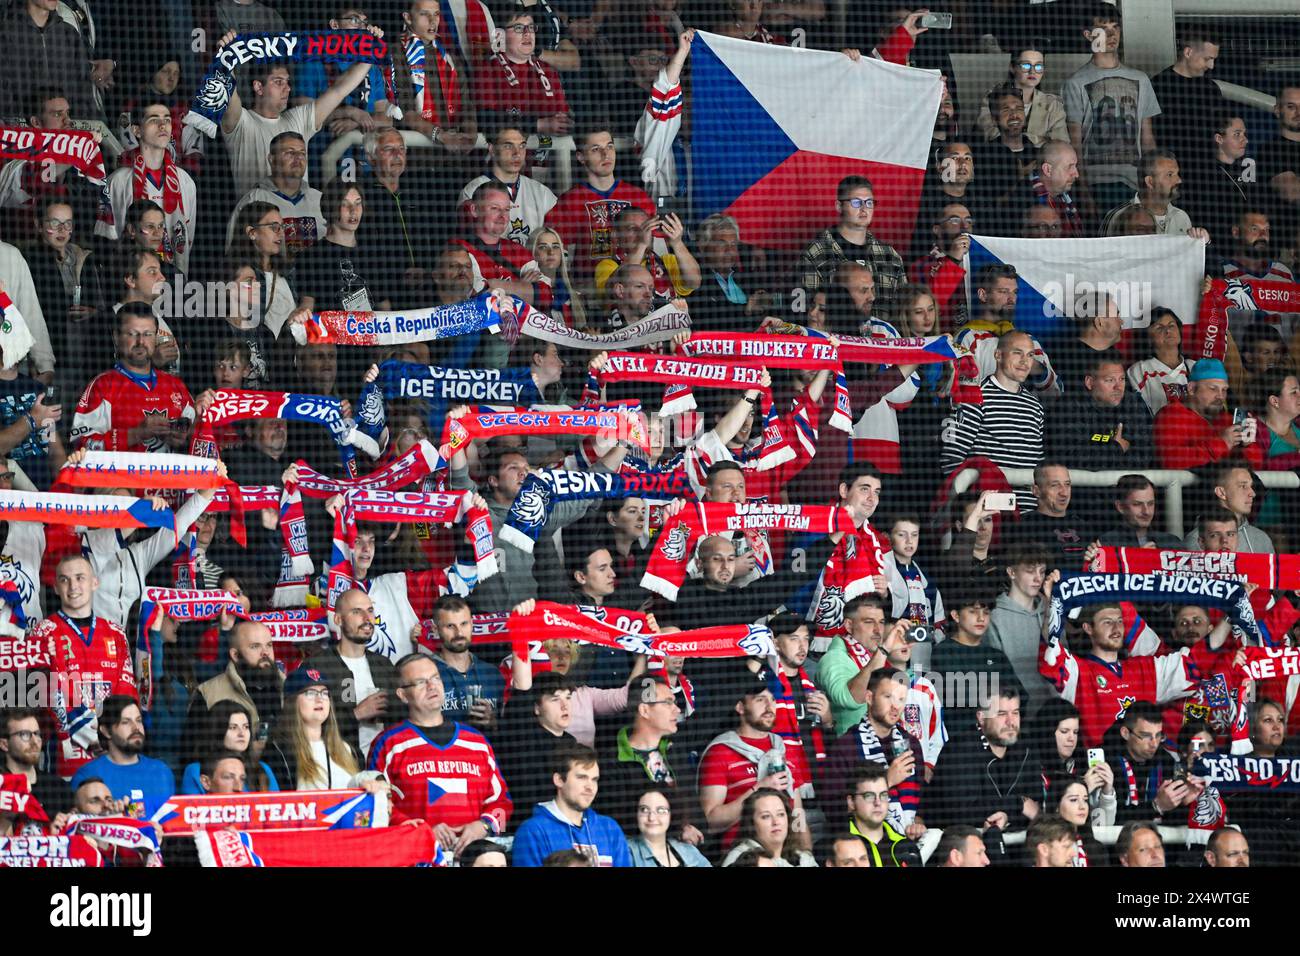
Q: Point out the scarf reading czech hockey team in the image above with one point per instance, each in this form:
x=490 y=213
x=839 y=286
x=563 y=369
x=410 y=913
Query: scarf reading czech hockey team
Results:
x=386 y=329
x=631 y=632
x=64 y=147
x=540 y=491
x=673 y=549
x=179 y=605
x=1271 y=572
x=213 y=96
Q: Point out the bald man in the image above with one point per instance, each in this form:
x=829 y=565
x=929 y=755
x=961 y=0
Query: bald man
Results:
x=1049 y=183
x=250 y=678
x=363 y=683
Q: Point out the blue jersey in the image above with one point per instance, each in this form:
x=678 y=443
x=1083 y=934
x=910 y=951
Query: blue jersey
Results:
x=147 y=783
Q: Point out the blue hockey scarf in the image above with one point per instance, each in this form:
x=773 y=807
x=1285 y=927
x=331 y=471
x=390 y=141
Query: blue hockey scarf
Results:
x=532 y=506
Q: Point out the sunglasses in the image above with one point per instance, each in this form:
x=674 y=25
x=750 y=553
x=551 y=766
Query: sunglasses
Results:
x=1028 y=67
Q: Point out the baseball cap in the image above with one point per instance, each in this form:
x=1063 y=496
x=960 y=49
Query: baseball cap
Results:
x=304 y=677
x=1207 y=368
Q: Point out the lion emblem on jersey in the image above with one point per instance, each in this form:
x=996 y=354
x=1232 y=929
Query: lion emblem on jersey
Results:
x=1239 y=295
x=372 y=407
x=12 y=573
x=634 y=643
x=830 y=608
x=675 y=545
x=530 y=506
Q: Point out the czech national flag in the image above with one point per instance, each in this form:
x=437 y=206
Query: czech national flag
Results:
x=774 y=129
x=1138 y=272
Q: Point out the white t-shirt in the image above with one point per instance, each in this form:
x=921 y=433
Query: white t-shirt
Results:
x=250 y=141
x=363 y=685
x=303 y=222
x=529 y=204
x=335 y=779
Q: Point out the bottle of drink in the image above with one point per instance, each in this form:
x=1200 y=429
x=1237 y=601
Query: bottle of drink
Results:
x=51 y=397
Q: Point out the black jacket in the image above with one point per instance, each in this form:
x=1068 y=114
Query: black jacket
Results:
x=970 y=783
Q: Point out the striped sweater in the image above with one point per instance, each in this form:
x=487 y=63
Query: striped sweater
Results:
x=1007 y=428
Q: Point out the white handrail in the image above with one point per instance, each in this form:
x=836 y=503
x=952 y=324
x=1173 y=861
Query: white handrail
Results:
x=1170 y=482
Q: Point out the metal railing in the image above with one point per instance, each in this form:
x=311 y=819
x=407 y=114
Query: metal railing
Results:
x=1170 y=483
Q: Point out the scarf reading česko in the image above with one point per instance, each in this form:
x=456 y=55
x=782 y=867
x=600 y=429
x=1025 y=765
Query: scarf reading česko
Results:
x=675 y=546
x=384 y=329
x=631 y=632
x=615 y=424
x=65 y=147
x=235 y=405
x=1270 y=571
x=540 y=491
x=413 y=845
x=213 y=96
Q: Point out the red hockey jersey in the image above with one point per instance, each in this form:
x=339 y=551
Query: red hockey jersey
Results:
x=506 y=260
x=518 y=92
x=455 y=784
x=90 y=665
x=117 y=401
x=584 y=218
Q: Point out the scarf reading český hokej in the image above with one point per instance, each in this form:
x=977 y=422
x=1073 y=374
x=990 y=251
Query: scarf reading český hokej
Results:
x=630 y=631
x=540 y=491
x=213 y=96
x=385 y=329
x=63 y=147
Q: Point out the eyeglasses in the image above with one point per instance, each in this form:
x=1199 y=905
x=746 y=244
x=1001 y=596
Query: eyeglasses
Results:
x=523 y=29
x=318 y=693
x=958 y=221
x=1028 y=67
x=58 y=225
x=859 y=203
x=356 y=21
x=872 y=797
x=421 y=683
x=276 y=227
x=653 y=811
x=27 y=734
x=1043 y=227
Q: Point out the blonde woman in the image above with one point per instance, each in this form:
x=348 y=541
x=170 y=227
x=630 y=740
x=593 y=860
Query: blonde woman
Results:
x=306 y=751
x=566 y=301
x=1044 y=112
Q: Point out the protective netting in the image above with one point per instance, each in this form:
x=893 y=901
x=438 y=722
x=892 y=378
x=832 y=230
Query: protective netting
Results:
x=440 y=406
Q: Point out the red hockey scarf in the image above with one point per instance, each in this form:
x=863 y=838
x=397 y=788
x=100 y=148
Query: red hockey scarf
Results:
x=615 y=424
x=66 y=147
x=293 y=532
x=408 y=507
x=297 y=625
x=126 y=832
x=677 y=541
x=1247 y=292
x=644 y=367
x=630 y=632
x=778 y=351
x=508 y=69
x=420 y=461
x=129 y=469
x=1265 y=663
x=446 y=99
x=787 y=719
x=856 y=560
x=317 y=810
x=49 y=851
x=254 y=498
x=1209 y=337
x=171 y=183
x=1270 y=571
x=411 y=844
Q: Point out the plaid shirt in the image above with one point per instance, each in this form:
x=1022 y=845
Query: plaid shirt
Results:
x=824 y=255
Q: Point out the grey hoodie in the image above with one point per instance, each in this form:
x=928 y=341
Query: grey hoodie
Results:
x=1017 y=633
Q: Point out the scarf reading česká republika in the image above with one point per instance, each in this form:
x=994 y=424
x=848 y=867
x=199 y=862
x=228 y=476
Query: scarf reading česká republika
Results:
x=385 y=329
x=213 y=95
x=540 y=491
x=630 y=631
x=673 y=549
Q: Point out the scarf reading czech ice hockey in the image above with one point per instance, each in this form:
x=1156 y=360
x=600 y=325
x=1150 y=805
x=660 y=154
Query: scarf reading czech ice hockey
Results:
x=675 y=546
x=630 y=632
x=385 y=329
x=65 y=147
x=213 y=96
x=1077 y=589
x=540 y=491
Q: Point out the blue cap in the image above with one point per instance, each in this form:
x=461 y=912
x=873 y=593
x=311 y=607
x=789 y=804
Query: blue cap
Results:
x=1207 y=368
x=304 y=677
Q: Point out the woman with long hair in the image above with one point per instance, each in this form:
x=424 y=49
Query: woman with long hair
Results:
x=766 y=822
x=306 y=750
x=226 y=727
x=1044 y=112
x=654 y=817
x=258 y=237
x=1276 y=406
x=1068 y=797
x=566 y=298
